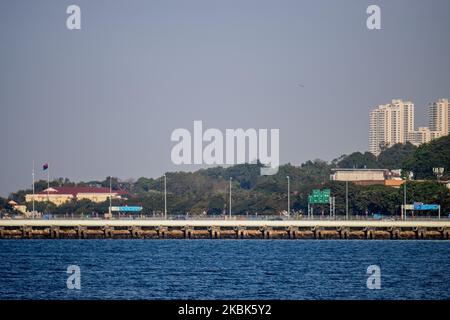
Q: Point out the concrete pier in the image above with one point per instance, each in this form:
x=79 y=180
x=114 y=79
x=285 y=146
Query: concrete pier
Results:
x=225 y=229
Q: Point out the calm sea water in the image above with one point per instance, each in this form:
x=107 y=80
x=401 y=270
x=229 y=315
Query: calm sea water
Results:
x=224 y=269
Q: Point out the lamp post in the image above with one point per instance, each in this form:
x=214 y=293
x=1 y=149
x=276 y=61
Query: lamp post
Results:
x=288 y=196
x=230 y=198
x=33 y=188
x=404 y=199
x=110 y=196
x=408 y=176
x=165 y=196
x=439 y=172
x=346 y=200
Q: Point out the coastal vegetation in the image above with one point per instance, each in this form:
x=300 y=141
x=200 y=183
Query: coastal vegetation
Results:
x=206 y=191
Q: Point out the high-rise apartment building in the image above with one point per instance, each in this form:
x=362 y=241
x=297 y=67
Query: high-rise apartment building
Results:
x=390 y=124
x=439 y=116
x=394 y=123
x=423 y=135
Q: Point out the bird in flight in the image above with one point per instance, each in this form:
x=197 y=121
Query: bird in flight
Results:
x=301 y=85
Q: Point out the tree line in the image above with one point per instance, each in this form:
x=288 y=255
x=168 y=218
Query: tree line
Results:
x=206 y=191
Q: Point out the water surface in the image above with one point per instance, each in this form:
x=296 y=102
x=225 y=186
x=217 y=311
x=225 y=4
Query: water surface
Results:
x=224 y=269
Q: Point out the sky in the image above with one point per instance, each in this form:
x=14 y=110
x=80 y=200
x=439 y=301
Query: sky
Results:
x=105 y=99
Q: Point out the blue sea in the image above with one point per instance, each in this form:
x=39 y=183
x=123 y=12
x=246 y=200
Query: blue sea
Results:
x=224 y=269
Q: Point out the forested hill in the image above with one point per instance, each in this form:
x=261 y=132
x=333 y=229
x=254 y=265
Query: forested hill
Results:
x=207 y=190
x=428 y=156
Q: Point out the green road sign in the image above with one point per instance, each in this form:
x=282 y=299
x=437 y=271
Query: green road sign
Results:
x=319 y=196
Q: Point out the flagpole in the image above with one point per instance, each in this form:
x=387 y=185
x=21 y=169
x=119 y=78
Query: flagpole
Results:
x=48 y=180
x=33 y=187
x=110 y=196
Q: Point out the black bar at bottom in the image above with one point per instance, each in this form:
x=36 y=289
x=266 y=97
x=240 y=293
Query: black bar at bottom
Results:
x=224 y=309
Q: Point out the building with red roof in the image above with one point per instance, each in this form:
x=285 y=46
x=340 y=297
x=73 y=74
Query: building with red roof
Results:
x=61 y=195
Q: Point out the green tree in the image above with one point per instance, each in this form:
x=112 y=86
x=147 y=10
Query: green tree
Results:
x=429 y=155
x=395 y=156
x=358 y=160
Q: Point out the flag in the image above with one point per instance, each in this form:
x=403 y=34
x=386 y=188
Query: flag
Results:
x=45 y=166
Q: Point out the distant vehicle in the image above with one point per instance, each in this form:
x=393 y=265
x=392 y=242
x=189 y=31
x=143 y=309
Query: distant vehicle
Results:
x=377 y=216
x=276 y=218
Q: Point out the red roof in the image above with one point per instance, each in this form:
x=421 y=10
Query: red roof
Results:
x=76 y=190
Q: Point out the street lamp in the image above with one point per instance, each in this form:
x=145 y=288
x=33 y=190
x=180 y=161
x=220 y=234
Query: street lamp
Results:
x=346 y=200
x=165 y=196
x=33 y=187
x=288 y=196
x=404 y=198
x=409 y=175
x=110 y=196
x=230 y=198
x=439 y=172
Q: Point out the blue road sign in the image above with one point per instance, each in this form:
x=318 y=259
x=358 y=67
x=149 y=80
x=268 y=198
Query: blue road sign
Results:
x=127 y=209
x=421 y=206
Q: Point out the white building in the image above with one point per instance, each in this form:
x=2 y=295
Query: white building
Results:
x=439 y=116
x=390 y=124
x=394 y=123
x=423 y=135
x=354 y=175
x=61 y=195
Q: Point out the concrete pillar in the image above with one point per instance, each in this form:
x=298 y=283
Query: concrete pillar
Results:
x=188 y=232
x=162 y=232
x=441 y=231
x=27 y=232
x=420 y=232
x=215 y=232
x=54 y=232
x=136 y=232
x=316 y=230
x=108 y=232
x=266 y=232
x=81 y=232
x=344 y=233
x=395 y=233
x=292 y=232
x=241 y=233
x=446 y=234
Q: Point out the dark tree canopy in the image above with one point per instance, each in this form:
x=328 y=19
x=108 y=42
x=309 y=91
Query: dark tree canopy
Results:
x=395 y=156
x=429 y=155
x=358 y=160
x=207 y=190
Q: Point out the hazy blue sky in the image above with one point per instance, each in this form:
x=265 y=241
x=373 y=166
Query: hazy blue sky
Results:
x=104 y=100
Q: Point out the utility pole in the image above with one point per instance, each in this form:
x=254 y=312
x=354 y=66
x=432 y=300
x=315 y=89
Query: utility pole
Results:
x=330 y=202
x=230 y=198
x=346 y=200
x=110 y=196
x=165 y=196
x=404 y=199
x=289 y=197
x=334 y=207
x=48 y=181
x=33 y=187
x=408 y=176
